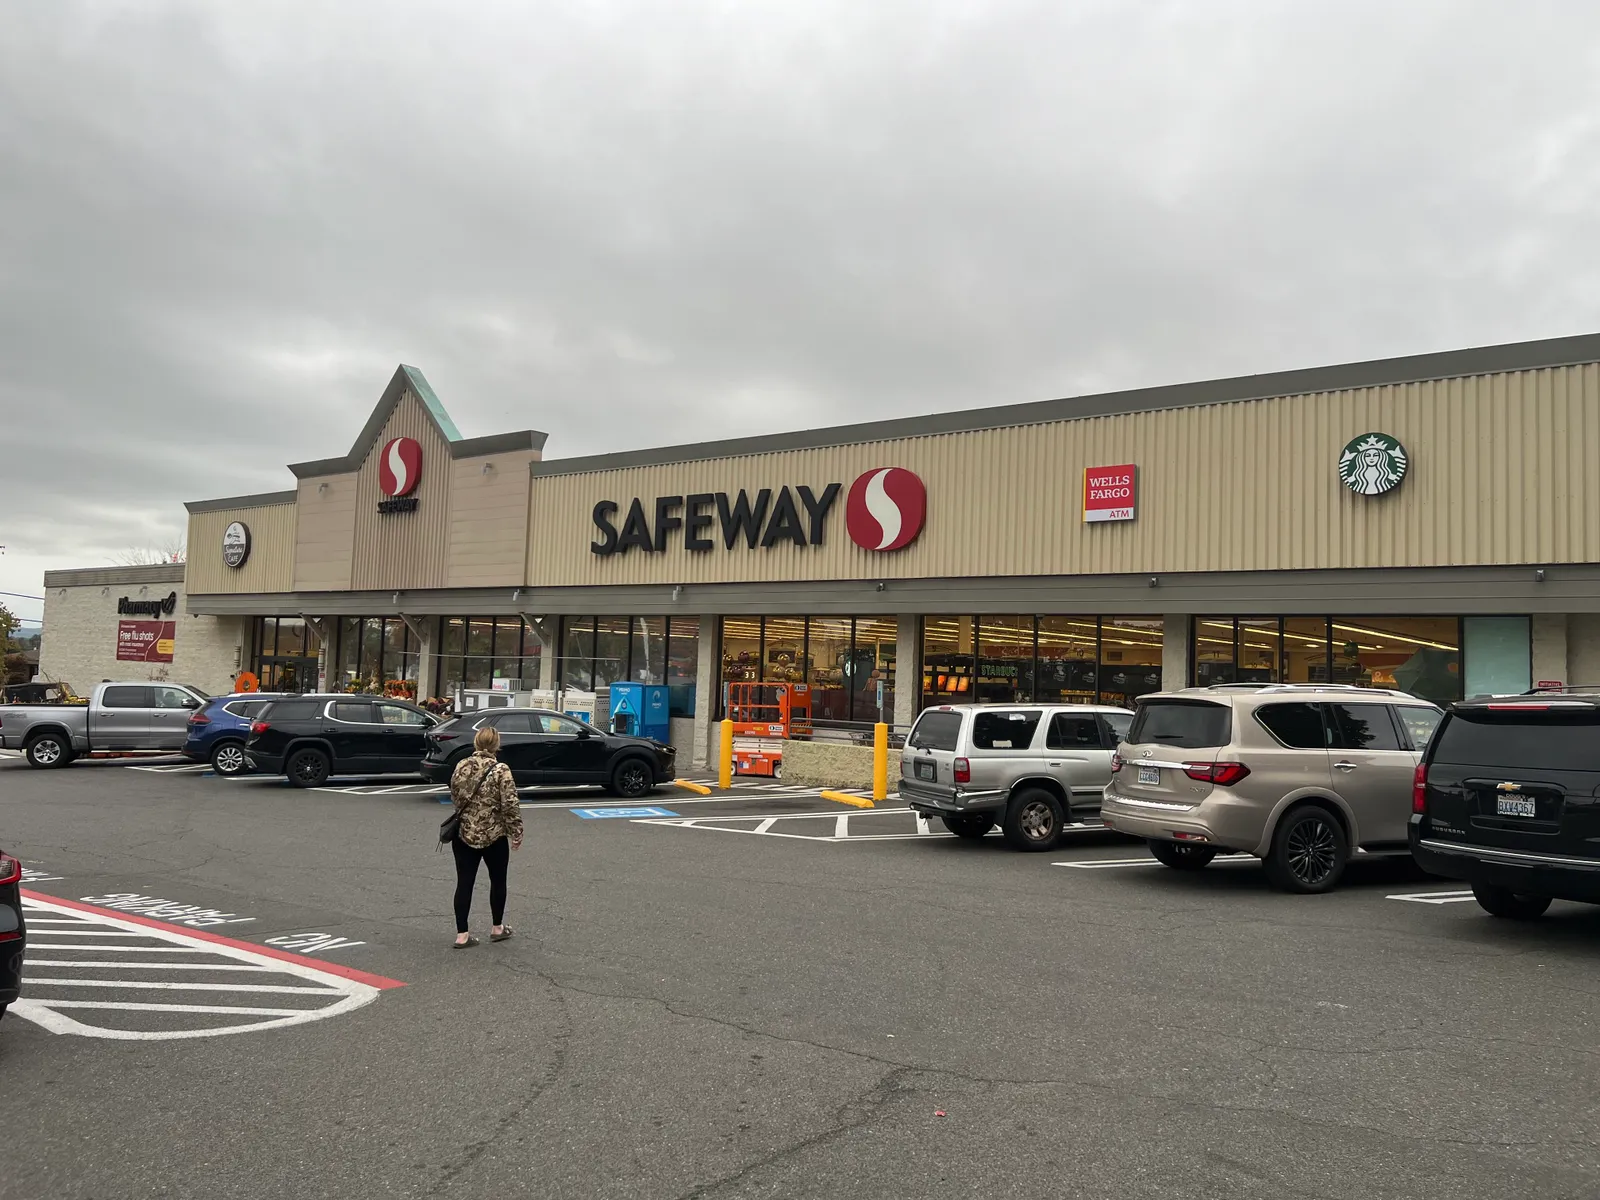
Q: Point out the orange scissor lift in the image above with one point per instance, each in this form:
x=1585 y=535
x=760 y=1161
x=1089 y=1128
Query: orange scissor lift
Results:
x=764 y=715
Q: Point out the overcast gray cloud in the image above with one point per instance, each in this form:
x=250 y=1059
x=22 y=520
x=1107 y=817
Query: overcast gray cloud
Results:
x=221 y=226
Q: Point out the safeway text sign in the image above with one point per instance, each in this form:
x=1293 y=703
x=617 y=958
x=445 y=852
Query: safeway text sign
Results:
x=1110 y=493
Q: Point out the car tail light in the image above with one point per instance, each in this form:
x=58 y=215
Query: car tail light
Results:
x=1419 y=789
x=1117 y=763
x=1223 y=774
x=443 y=737
x=259 y=727
x=10 y=870
x=199 y=719
x=963 y=771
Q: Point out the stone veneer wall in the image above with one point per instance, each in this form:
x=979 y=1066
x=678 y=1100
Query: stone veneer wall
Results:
x=832 y=764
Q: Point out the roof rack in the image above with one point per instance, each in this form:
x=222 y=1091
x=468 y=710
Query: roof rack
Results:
x=1260 y=688
x=1566 y=687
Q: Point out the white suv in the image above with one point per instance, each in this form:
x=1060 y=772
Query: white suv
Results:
x=1033 y=768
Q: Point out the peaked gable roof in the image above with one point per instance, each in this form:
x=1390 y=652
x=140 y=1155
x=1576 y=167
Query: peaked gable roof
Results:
x=406 y=379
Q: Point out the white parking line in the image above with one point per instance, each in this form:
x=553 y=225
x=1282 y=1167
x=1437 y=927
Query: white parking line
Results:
x=1107 y=864
x=1452 y=897
x=119 y=967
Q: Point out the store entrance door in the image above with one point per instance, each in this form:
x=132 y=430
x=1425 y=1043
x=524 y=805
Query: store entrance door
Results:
x=282 y=673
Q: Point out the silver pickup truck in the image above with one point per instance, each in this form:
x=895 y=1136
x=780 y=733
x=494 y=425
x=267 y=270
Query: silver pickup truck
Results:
x=118 y=717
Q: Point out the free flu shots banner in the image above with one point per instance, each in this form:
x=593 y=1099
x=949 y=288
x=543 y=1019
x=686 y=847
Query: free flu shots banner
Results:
x=145 y=641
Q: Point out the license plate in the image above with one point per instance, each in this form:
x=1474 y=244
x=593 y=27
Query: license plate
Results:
x=1150 y=775
x=1515 y=806
x=925 y=770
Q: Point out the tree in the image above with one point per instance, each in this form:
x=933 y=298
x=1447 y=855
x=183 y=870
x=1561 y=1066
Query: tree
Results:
x=171 y=551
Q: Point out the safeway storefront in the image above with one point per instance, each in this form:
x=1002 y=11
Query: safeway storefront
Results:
x=1431 y=523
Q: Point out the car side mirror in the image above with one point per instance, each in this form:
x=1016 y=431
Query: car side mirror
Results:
x=584 y=734
x=191 y=703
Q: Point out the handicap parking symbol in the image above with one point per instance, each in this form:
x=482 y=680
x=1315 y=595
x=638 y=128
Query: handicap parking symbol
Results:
x=604 y=814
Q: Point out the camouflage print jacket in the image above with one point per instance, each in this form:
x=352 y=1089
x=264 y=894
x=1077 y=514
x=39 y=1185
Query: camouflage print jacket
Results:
x=494 y=812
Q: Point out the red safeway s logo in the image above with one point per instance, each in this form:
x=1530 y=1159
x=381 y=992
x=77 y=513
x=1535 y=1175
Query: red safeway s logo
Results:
x=885 y=509
x=400 y=467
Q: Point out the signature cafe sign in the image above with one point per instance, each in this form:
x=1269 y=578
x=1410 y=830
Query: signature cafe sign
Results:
x=884 y=511
x=236 y=544
x=165 y=607
x=1373 y=464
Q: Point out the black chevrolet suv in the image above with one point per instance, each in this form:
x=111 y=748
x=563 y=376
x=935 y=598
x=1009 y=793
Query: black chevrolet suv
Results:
x=541 y=746
x=1507 y=797
x=309 y=738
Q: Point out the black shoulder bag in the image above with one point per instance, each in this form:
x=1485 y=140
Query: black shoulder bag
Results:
x=450 y=827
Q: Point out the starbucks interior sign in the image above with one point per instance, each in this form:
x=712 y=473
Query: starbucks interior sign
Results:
x=236 y=544
x=1373 y=464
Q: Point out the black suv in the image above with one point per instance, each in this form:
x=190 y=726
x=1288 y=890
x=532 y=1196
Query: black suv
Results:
x=309 y=738
x=541 y=746
x=1507 y=797
x=13 y=930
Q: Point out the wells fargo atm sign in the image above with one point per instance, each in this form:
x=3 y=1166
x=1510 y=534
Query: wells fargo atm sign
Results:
x=1110 y=493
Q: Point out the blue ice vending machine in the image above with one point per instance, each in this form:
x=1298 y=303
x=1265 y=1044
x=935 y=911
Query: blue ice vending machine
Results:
x=640 y=709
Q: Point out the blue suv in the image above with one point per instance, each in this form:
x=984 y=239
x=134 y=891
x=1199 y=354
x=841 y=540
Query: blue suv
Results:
x=218 y=731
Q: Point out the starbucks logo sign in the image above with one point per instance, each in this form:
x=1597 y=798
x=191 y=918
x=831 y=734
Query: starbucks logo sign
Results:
x=1373 y=464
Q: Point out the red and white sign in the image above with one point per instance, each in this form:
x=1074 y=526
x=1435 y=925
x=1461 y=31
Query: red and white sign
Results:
x=1110 y=493
x=400 y=467
x=885 y=509
x=146 y=641
x=1549 y=685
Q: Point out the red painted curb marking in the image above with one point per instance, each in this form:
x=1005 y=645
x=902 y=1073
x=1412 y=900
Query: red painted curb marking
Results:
x=333 y=968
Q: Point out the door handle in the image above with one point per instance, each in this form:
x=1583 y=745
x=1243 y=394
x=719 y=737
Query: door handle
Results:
x=1346 y=766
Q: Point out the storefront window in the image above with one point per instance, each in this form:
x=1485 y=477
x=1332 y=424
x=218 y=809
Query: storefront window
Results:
x=1213 y=652
x=783 y=650
x=647 y=652
x=1068 y=654
x=831 y=668
x=286 y=654
x=1005 y=660
x=1498 y=655
x=947 y=660
x=741 y=649
x=872 y=675
x=611 y=651
x=1130 y=658
x=1420 y=655
x=577 y=653
x=683 y=664
x=1305 y=650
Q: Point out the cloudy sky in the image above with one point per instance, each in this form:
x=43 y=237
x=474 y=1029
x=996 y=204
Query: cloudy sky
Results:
x=221 y=226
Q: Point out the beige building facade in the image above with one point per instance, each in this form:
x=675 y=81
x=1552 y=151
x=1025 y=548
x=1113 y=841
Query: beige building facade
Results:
x=1430 y=522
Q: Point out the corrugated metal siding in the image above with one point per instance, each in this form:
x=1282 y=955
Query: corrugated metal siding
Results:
x=489 y=520
x=404 y=550
x=270 y=567
x=324 y=533
x=1501 y=471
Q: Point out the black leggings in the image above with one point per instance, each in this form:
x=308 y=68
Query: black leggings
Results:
x=498 y=856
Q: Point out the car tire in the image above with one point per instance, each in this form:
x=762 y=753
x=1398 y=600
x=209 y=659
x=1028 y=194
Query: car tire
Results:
x=971 y=828
x=227 y=758
x=48 y=751
x=1181 y=856
x=1033 y=820
x=308 y=768
x=631 y=778
x=1511 y=906
x=1309 y=851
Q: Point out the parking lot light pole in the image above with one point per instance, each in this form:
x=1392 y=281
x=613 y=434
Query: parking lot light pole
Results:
x=725 y=757
x=880 y=761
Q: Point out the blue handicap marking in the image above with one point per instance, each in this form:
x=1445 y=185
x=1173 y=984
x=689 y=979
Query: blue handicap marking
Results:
x=605 y=814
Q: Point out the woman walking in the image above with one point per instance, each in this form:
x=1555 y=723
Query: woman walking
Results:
x=485 y=797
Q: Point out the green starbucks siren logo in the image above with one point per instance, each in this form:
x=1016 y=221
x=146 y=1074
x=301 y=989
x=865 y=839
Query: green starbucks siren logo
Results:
x=1373 y=464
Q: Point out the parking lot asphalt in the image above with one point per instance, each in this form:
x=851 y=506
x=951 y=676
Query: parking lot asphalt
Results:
x=760 y=995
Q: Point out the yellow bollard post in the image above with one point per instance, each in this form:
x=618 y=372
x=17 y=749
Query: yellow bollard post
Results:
x=725 y=757
x=880 y=761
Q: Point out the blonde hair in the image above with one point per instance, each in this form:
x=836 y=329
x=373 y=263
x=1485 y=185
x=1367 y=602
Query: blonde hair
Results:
x=488 y=738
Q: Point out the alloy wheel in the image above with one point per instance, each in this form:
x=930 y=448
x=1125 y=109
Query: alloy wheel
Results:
x=229 y=760
x=631 y=780
x=1037 y=821
x=1312 y=850
x=46 y=752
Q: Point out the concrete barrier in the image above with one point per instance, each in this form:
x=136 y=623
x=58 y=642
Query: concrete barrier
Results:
x=828 y=764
